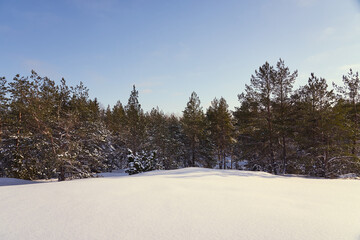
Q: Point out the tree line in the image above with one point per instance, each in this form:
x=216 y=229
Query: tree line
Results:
x=54 y=130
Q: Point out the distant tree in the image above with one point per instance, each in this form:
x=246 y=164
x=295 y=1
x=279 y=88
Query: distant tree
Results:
x=157 y=134
x=3 y=116
x=3 y=103
x=193 y=122
x=283 y=83
x=221 y=129
x=351 y=93
x=259 y=95
x=321 y=129
x=249 y=143
x=118 y=121
x=115 y=121
x=135 y=124
x=176 y=144
x=85 y=143
x=31 y=151
x=108 y=117
x=19 y=134
x=55 y=130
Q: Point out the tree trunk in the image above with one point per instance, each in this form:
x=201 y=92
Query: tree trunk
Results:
x=272 y=157
x=353 y=151
x=224 y=156
x=62 y=173
x=193 y=152
x=284 y=155
x=193 y=157
x=18 y=133
x=0 y=130
x=219 y=159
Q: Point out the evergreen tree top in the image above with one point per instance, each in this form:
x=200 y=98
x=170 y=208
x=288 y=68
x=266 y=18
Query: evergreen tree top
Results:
x=133 y=102
x=193 y=107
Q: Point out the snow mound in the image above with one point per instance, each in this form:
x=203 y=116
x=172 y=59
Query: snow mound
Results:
x=190 y=203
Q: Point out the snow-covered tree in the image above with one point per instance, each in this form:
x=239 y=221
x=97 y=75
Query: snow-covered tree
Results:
x=143 y=162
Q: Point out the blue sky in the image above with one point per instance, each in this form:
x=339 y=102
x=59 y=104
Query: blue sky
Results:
x=170 y=48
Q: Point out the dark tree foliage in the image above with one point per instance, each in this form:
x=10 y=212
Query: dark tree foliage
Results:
x=134 y=122
x=221 y=130
x=193 y=122
x=283 y=84
x=259 y=95
x=52 y=130
x=310 y=131
x=322 y=131
x=350 y=92
x=3 y=114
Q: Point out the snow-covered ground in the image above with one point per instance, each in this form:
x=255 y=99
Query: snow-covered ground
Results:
x=14 y=181
x=185 y=204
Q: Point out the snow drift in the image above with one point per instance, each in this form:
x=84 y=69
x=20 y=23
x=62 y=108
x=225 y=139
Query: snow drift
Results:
x=184 y=204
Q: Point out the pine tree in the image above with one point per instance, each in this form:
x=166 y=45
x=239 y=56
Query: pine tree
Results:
x=157 y=133
x=176 y=144
x=351 y=93
x=3 y=103
x=259 y=95
x=142 y=162
x=118 y=119
x=117 y=125
x=20 y=133
x=249 y=142
x=3 y=115
x=320 y=129
x=283 y=83
x=31 y=151
x=49 y=130
x=64 y=131
x=193 y=122
x=221 y=129
x=135 y=124
x=108 y=118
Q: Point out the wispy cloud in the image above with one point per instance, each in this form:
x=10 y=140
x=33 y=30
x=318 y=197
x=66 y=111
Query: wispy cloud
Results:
x=178 y=51
x=96 y=7
x=336 y=55
x=356 y=20
x=96 y=77
x=42 y=68
x=332 y=64
x=148 y=83
x=354 y=67
x=328 y=31
x=178 y=94
x=305 y=3
x=146 y=91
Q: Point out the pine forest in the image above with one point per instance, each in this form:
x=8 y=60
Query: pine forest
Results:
x=53 y=130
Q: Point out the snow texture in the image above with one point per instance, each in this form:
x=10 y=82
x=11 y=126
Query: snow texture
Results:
x=13 y=181
x=190 y=203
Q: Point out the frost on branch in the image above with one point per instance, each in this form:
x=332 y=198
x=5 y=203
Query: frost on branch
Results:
x=142 y=162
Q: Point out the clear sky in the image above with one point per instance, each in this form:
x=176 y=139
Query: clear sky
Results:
x=170 y=48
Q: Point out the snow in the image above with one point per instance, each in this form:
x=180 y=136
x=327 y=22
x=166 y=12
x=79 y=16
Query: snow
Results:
x=190 y=203
x=14 y=181
x=350 y=175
